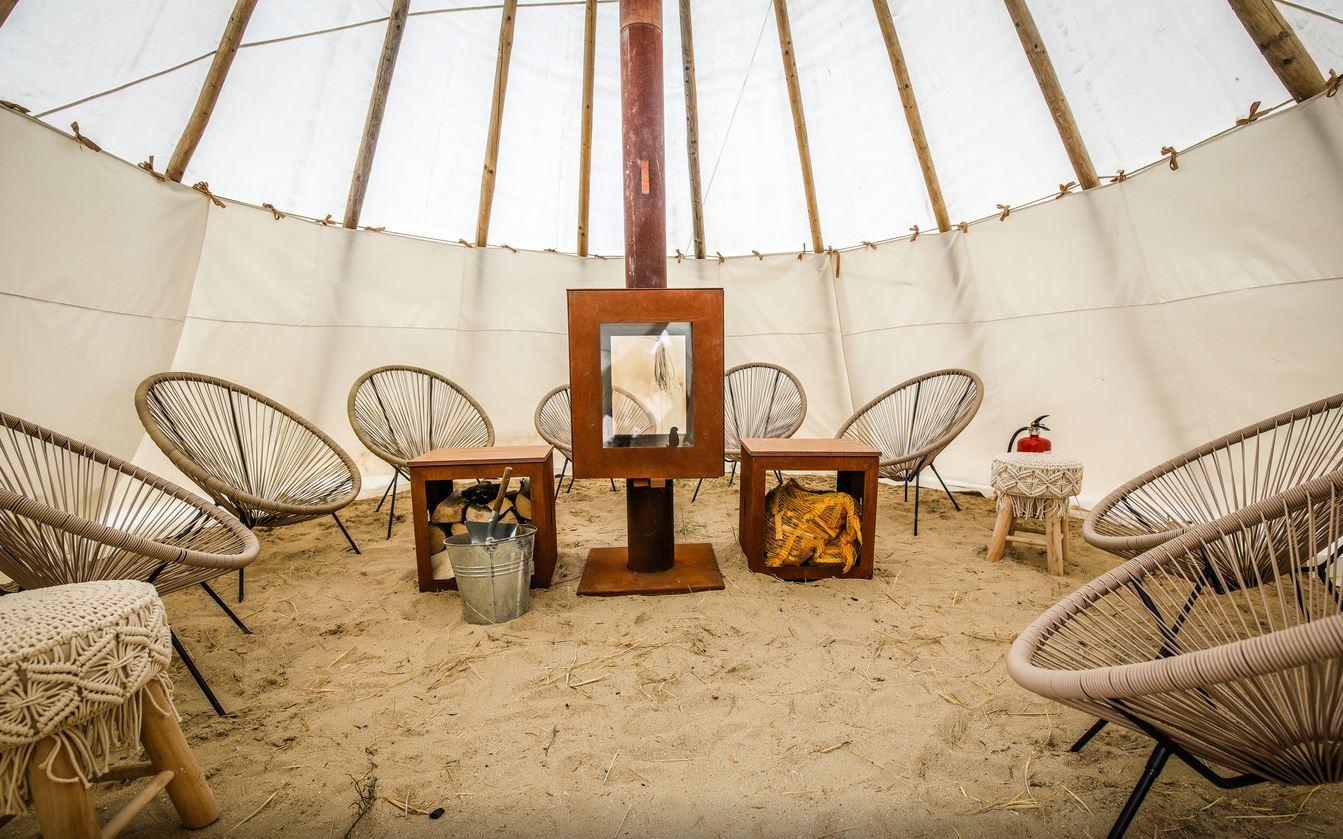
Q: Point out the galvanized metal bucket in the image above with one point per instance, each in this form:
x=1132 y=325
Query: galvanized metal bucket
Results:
x=493 y=578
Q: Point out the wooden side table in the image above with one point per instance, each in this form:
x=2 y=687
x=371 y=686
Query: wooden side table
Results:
x=431 y=477
x=855 y=465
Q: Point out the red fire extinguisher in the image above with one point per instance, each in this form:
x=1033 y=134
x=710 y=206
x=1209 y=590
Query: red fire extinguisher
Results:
x=1032 y=442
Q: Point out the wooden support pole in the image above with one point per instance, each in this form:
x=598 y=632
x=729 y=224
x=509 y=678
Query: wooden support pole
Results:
x=214 y=83
x=62 y=807
x=799 y=121
x=496 y=121
x=585 y=145
x=377 y=104
x=167 y=749
x=1053 y=92
x=6 y=6
x=692 y=127
x=915 y=121
x=1280 y=45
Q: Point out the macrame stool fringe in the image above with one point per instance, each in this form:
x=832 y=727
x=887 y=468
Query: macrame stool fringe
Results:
x=1034 y=508
x=89 y=744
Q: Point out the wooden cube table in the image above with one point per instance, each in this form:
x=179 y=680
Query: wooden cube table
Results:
x=855 y=465
x=431 y=477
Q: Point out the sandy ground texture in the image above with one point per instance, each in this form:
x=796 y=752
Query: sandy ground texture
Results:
x=840 y=708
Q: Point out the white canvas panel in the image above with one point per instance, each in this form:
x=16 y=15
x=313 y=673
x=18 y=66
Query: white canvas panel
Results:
x=1253 y=207
x=254 y=267
x=991 y=134
x=53 y=53
x=105 y=236
x=1133 y=95
x=1077 y=252
x=926 y=281
x=75 y=370
x=426 y=175
x=287 y=124
x=376 y=279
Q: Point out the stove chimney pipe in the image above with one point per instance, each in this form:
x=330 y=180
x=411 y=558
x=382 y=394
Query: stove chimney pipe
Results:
x=642 y=138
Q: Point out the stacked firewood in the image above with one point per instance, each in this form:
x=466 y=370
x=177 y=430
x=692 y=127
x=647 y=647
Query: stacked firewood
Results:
x=472 y=503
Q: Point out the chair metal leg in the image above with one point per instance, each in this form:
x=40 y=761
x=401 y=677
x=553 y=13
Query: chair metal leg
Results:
x=196 y=674
x=944 y=487
x=1086 y=737
x=1155 y=763
x=778 y=476
x=347 y=533
x=385 y=492
x=391 y=515
x=698 y=483
x=916 y=501
x=732 y=474
x=613 y=484
x=219 y=601
x=559 y=487
x=242 y=584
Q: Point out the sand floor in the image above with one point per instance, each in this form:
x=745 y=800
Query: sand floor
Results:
x=841 y=708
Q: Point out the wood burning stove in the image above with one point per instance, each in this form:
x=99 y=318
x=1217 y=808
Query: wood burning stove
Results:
x=662 y=348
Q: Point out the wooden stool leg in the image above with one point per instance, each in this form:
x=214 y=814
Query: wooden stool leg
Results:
x=1000 y=530
x=63 y=809
x=1067 y=542
x=168 y=749
x=1054 y=544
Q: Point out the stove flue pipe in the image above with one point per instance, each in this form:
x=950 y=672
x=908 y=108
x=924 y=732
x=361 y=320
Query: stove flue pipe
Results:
x=643 y=142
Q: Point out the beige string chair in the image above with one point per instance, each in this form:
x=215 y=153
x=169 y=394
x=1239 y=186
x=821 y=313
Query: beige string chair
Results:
x=759 y=400
x=1219 y=477
x=256 y=458
x=400 y=412
x=554 y=422
x=1214 y=480
x=1224 y=644
x=71 y=513
x=913 y=422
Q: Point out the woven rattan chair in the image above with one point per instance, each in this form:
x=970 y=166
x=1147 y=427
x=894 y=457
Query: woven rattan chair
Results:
x=1223 y=644
x=70 y=513
x=759 y=400
x=1219 y=477
x=256 y=458
x=1214 y=480
x=554 y=422
x=913 y=422
x=400 y=412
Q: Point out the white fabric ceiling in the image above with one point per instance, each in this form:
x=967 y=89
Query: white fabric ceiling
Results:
x=1140 y=74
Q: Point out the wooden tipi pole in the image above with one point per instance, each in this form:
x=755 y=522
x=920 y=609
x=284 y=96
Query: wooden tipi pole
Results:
x=692 y=127
x=214 y=83
x=377 y=104
x=496 y=121
x=911 y=106
x=6 y=6
x=585 y=144
x=1053 y=92
x=1280 y=45
x=799 y=121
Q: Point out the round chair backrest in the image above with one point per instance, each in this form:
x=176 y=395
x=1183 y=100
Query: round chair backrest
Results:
x=401 y=412
x=760 y=400
x=914 y=421
x=72 y=513
x=249 y=452
x=554 y=418
x=1220 y=477
x=1236 y=661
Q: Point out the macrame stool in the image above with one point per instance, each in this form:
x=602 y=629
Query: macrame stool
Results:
x=83 y=671
x=1036 y=486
